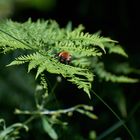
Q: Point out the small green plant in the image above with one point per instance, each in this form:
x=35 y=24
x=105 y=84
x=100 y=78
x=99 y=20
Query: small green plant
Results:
x=38 y=44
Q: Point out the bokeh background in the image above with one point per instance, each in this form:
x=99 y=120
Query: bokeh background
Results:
x=117 y=19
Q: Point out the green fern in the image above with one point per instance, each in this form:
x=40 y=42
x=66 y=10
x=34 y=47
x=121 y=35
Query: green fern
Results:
x=107 y=76
x=42 y=40
x=113 y=48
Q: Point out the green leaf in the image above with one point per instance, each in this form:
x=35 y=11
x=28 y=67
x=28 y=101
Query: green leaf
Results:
x=43 y=40
x=48 y=128
x=117 y=49
x=87 y=113
x=6 y=134
x=107 y=76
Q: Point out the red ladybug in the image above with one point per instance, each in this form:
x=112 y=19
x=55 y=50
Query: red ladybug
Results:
x=64 y=57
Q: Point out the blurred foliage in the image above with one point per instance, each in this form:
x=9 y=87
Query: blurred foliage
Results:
x=9 y=7
x=6 y=8
x=117 y=19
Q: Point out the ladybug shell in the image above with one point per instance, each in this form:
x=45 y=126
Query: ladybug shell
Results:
x=64 y=57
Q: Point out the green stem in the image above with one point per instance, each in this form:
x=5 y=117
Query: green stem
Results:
x=52 y=94
x=115 y=114
x=53 y=112
x=29 y=120
x=25 y=123
x=16 y=38
x=110 y=130
x=133 y=110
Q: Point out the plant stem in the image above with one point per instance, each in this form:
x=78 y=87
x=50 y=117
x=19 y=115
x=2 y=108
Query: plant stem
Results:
x=115 y=114
x=25 y=123
x=54 y=112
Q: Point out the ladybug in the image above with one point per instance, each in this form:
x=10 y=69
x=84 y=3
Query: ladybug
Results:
x=64 y=57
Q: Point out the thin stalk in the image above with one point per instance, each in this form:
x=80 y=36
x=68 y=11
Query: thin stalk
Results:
x=52 y=94
x=115 y=114
x=110 y=130
x=133 y=110
x=15 y=38
x=25 y=123
x=54 y=112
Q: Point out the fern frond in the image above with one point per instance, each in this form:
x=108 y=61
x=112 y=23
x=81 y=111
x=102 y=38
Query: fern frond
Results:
x=81 y=77
x=82 y=62
x=23 y=59
x=107 y=76
x=43 y=40
x=44 y=82
x=125 y=68
x=82 y=84
x=8 y=43
x=36 y=60
x=79 y=50
x=113 y=48
x=86 y=39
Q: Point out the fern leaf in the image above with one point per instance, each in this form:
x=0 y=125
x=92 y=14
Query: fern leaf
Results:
x=42 y=40
x=18 y=61
x=78 y=51
x=125 y=68
x=82 y=84
x=82 y=62
x=35 y=60
x=113 y=48
x=107 y=76
x=22 y=59
x=88 y=39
